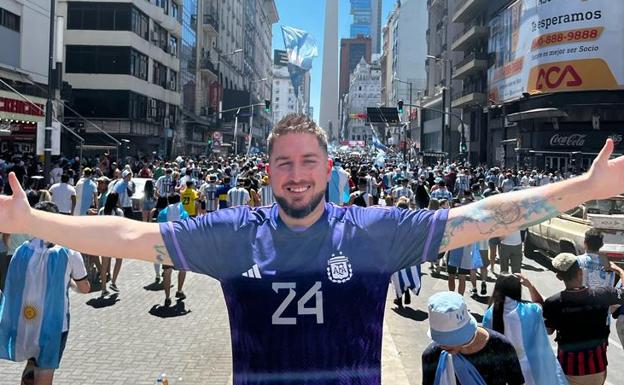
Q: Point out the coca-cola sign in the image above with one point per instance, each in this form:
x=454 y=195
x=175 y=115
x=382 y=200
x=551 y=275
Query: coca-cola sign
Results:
x=571 y=140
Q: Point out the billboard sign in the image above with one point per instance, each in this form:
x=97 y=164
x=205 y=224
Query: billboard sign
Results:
x=544 y=46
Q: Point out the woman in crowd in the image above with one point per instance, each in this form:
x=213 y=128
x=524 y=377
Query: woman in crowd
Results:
x=110 y=208
x=523 y=324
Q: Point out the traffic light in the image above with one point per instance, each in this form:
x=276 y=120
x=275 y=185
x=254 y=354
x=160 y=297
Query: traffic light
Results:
x=400 y=106
x=267 y=106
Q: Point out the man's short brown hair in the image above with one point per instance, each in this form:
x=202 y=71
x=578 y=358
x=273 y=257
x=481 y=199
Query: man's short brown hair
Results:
x=297 y=123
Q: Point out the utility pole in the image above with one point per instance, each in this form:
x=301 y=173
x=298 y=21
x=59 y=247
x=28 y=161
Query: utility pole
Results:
x=47 y=144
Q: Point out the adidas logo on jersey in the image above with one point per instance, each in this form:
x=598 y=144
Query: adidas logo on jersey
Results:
x=254 y=272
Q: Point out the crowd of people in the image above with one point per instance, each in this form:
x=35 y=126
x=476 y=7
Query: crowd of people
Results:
x=510 y=347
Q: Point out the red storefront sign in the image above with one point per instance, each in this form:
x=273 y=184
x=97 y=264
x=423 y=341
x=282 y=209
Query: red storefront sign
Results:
x=13 y=106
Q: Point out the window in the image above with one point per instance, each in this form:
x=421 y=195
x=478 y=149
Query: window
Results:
x=138 y=65
x=173 y=45
x=159 y=74
x=175 y=10
x=98 y=59
x=173 y=80
x=137 y=106
x=140 y=23
x=99 y=16
x=9 y=20
x=160 y=37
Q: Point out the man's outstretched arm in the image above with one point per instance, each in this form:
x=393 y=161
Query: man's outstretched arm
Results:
x=109 y=236
x=501 y=214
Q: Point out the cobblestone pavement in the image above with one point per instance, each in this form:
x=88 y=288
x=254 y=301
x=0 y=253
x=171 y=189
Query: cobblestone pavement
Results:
x=125 y=344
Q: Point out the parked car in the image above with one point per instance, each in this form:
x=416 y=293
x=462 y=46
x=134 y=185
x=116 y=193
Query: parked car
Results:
x=566 y=232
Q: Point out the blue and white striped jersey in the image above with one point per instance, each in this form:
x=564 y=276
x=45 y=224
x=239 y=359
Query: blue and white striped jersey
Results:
x=238 y=196
x=85 y=195
x=164 y=186
x=209 y=192
x=266 y=195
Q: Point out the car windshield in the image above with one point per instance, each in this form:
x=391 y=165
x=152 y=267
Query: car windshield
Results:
x=605 y=206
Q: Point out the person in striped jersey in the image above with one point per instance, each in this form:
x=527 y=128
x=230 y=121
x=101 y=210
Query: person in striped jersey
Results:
x=86 y=194
x=34 y=308
x=164 y=189
x=208 y=195
x=238 y=196
x=266 y=192
x=406 y=279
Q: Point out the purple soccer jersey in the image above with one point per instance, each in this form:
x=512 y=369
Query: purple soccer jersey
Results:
x=305 y=307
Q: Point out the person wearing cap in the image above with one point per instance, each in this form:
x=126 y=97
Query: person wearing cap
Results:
x=578 y=316
x=463 y=352
x=295 y=271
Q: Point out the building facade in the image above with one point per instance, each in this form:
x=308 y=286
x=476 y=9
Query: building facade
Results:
x=125 y=71
x=24 y=32
x=364 y=92
x=351 y=52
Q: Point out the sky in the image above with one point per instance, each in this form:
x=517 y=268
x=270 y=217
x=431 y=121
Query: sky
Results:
x=309 y=16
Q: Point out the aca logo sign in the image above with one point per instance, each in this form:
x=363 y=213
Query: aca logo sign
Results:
x=576 y=75
x=551 y=78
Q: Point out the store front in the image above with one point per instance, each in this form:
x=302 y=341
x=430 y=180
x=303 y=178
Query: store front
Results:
x=18 y=122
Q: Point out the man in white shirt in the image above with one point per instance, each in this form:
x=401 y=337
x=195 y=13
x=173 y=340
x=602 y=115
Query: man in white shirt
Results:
x=64 y=195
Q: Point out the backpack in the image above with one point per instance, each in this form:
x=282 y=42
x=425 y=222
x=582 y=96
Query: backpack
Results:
x=360 y=201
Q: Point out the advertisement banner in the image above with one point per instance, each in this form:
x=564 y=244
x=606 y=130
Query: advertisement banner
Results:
x=544 y=46
x=578 y=141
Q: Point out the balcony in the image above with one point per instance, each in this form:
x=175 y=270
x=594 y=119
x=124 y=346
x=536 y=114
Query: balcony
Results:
x=469 y=98
x=208 y=67
x=470 y=65
x=471 y=35
x=467 y=9
x=211 y=23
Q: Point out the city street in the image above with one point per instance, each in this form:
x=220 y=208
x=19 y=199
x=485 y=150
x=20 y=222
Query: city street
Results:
x=125 y=344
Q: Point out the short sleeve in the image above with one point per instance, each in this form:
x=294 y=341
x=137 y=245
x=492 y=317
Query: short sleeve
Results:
x=416 y=236
x=77 y=266
x=210 y=244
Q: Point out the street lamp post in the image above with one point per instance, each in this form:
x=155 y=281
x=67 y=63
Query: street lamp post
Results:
x=47 y=144
x=409 y=120
x=448 y=108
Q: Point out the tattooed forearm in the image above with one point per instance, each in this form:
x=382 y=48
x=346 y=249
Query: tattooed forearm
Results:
x=489 y=217
x=161 y=254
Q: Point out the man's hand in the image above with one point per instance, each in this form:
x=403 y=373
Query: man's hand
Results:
x=14 y=209
x=607 y=176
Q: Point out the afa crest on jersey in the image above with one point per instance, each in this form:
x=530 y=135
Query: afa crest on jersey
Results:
x=339 y=268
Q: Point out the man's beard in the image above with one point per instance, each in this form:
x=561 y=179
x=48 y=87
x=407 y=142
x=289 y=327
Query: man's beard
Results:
x=299 y=213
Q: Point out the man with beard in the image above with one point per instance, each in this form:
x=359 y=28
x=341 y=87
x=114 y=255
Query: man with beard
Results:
x=306 y=281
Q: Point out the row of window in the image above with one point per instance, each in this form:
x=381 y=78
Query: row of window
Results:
x=9 y=20
x=120 y=61
x=121 y=105
x=118 y=17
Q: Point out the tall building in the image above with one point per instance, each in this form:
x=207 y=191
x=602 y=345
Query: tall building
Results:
x=367 y=21
x=329 y=119
x=125 y=70
x=351 y=52
x=24 y=31
x=364 y=92
x=438 y=140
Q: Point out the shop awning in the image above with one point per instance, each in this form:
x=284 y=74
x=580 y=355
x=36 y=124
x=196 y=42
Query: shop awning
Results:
x=538 y=113
x=14 y=75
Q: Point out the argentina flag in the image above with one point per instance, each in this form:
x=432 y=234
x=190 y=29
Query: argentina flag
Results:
x=406 y=279
x=32 y=307
x=301 y=49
